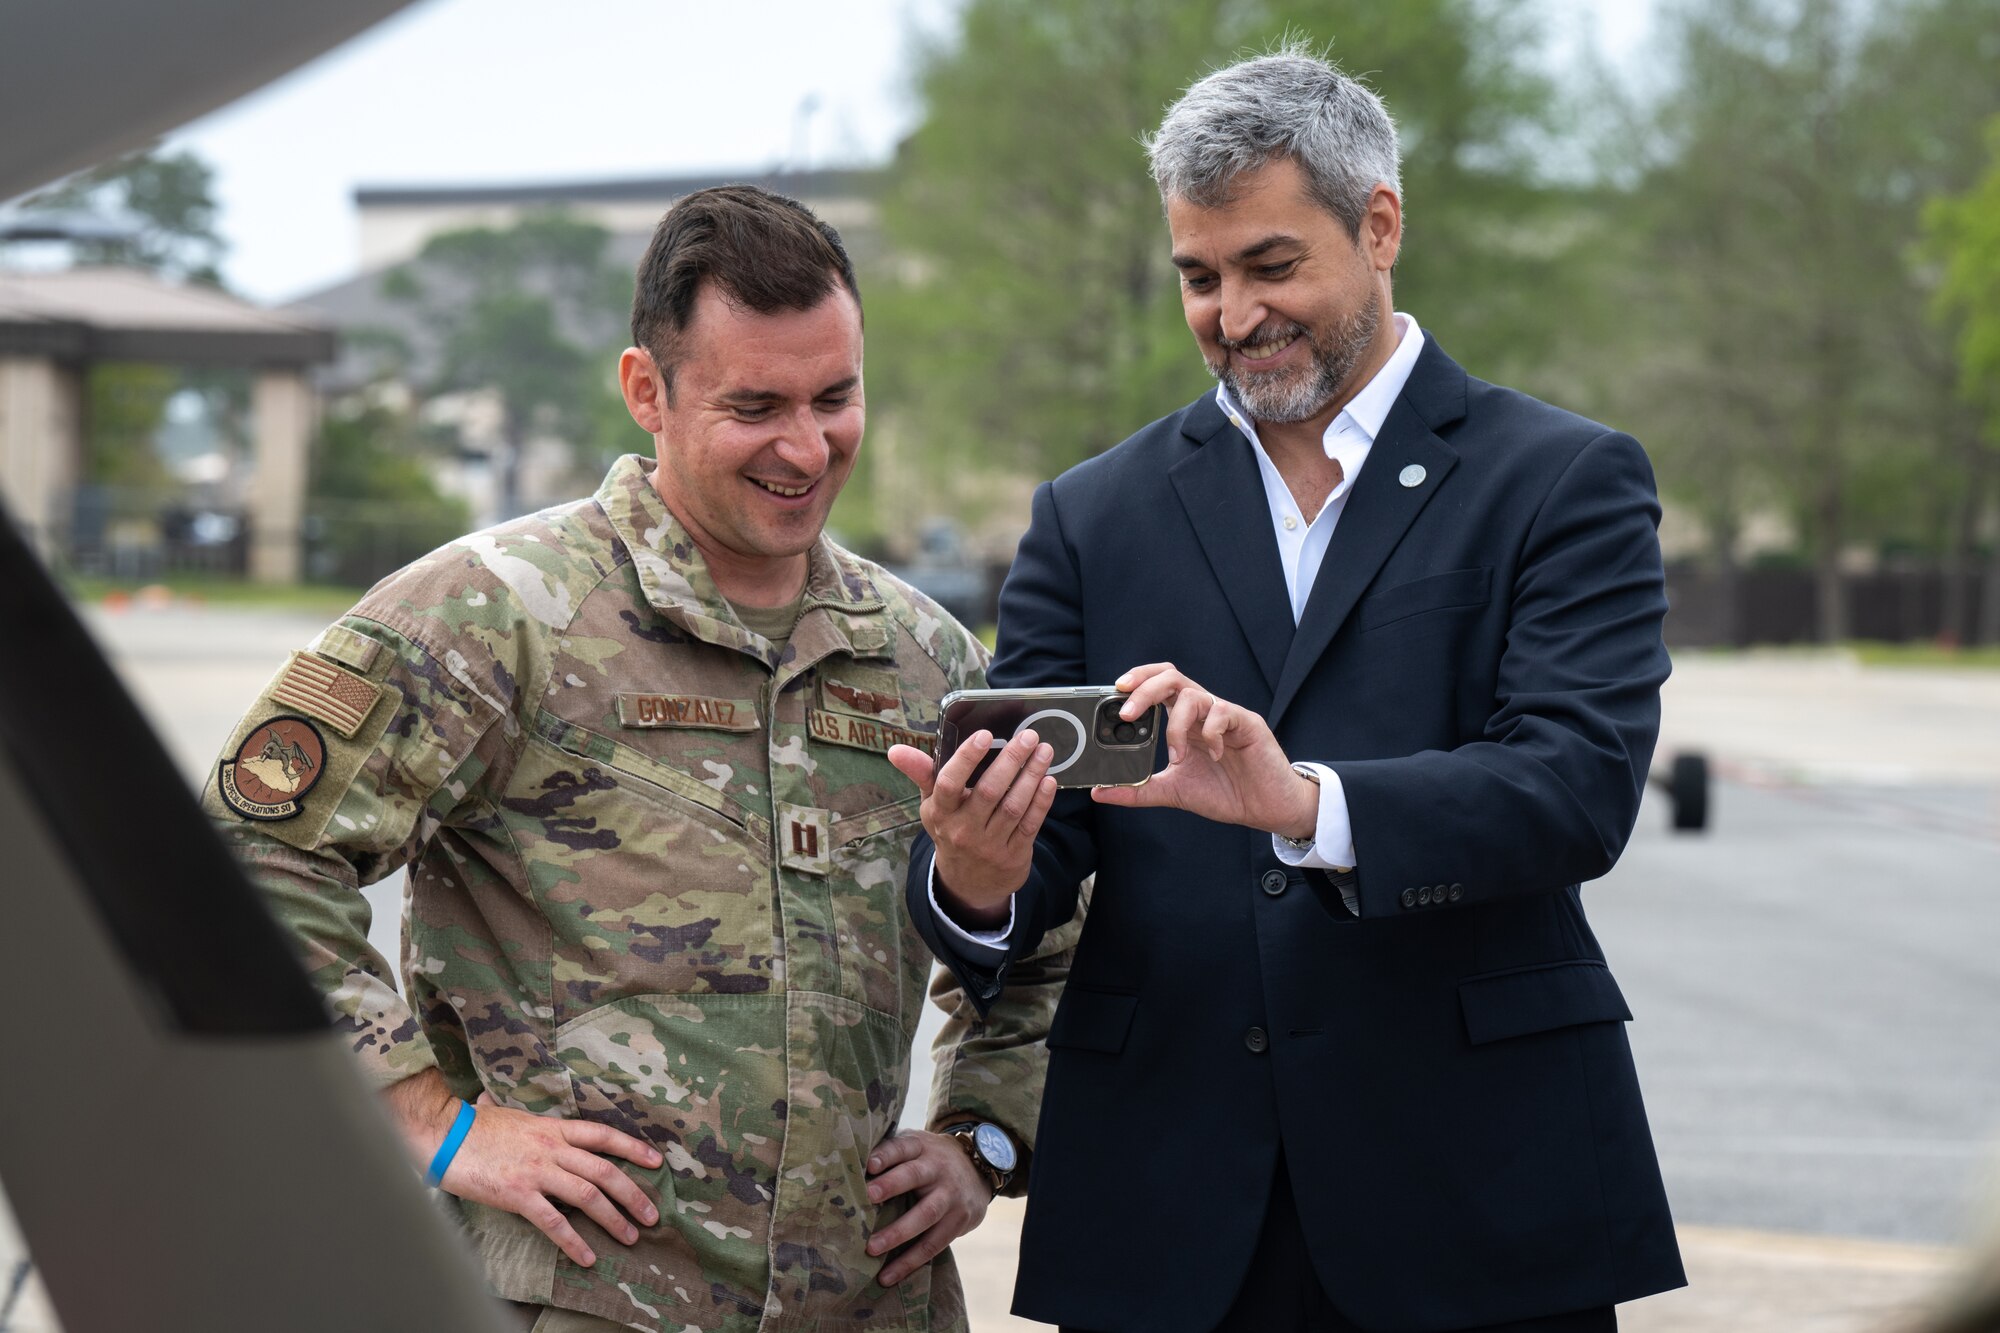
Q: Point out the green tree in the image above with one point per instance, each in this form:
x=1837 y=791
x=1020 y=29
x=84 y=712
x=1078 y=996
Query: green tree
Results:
x=167 y=200
x=1030 y=317
x=1931 y=93
x=1964 y=235
x=375 y=505
x=127 y=403
x=532 y=312
x=1782 y=352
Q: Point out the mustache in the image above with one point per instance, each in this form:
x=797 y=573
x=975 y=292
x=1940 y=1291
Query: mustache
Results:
x=1262 y=336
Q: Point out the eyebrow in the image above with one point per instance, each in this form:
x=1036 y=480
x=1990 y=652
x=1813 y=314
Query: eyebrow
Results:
x=1247 y=253
x=736 y=397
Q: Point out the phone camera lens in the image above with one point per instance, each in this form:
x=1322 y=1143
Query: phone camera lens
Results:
x=1126 y=733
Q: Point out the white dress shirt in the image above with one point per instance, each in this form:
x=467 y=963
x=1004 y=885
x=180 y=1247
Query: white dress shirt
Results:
x=1302 y=547
x=1302 y=544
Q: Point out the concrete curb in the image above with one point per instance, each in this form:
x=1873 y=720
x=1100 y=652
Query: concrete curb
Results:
x=1739 y=1281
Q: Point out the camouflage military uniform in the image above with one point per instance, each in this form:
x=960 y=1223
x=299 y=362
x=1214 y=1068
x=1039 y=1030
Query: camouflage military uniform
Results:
x=656 y=870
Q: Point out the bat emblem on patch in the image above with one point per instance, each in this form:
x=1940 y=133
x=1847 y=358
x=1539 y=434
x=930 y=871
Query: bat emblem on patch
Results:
x=274 y=768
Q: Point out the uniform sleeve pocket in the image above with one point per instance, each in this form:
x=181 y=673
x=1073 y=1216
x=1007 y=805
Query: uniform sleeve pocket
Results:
x=1092 y=1020
x=1439 y=592
x=1540 y=999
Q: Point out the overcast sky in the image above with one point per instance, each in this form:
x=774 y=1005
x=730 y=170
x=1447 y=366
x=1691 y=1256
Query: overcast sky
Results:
x=477 y=91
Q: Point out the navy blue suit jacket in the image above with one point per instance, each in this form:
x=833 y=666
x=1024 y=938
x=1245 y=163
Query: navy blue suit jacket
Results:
x=1447 y=1074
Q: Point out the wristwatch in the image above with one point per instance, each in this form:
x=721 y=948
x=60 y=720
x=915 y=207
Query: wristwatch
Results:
x=991 y=1149
x=1304 y=844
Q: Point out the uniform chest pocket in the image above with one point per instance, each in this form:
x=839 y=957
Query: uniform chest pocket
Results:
x=649 y=882
x=884 y=963
x=673 y=782
x=897 y=816
x=1439 y=592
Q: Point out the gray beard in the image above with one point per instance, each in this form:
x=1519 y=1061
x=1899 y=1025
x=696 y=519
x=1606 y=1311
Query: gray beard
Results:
x=1282 y=398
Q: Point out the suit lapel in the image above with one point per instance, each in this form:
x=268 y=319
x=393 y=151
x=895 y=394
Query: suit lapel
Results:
x=1223 y=494
x=1379 y=511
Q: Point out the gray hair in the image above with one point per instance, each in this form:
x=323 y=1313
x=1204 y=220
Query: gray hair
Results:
x=1291 y=103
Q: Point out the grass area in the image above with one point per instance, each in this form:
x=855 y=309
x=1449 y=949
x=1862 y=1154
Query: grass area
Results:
x=323 y=600
x=1926 y=655
x=1869 y=653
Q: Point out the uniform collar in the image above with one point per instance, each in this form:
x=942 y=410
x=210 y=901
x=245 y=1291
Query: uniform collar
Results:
x=841 y=599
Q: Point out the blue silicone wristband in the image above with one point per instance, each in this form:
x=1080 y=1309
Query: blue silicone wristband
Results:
x=434 y=1176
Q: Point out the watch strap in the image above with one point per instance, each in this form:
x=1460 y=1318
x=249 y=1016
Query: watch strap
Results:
x=1306 y=843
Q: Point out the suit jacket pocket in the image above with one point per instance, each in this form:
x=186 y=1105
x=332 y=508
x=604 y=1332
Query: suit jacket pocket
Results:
x=1092 y=1020
x=1540 y=999
x=1439 y=592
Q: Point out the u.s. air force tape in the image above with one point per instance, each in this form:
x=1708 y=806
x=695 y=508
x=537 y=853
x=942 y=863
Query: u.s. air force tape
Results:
x=863 y=734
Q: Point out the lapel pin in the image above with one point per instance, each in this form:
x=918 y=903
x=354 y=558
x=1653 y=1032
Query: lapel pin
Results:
x=1413 y=475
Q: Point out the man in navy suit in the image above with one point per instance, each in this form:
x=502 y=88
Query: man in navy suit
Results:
x=1338 y=1049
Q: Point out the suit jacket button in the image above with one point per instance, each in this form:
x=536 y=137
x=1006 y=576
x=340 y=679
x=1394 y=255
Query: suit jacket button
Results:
x=1256 y=1040
x=1424 y=895
x=1409 y=897
x=1274 y=882
x=1457 y=892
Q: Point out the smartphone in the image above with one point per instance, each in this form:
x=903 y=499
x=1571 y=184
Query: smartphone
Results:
x=1094 y=746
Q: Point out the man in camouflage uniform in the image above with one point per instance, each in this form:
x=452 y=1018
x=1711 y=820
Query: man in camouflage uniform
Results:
x=633 y=752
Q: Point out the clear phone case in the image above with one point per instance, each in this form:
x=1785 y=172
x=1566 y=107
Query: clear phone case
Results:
x=1093 y=746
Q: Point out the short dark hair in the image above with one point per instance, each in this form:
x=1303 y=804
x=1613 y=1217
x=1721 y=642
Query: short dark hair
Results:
x=766 y=253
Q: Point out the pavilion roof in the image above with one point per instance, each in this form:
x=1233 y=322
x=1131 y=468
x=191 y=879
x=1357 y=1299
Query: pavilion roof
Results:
x=128 y=314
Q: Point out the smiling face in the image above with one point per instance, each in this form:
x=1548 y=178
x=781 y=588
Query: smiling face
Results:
x=758 y=435
x=1290 y=312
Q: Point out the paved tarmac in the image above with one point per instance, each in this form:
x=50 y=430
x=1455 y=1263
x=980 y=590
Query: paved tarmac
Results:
x=1812 y=980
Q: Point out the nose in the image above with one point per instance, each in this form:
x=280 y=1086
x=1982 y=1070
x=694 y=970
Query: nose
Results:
x=1242 y=312
x=804 y=446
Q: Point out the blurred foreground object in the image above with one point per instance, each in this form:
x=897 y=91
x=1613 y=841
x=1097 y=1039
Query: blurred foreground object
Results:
x=150 y=67
x=1974 y=1303
x=234 y=1206
x=225 y=1150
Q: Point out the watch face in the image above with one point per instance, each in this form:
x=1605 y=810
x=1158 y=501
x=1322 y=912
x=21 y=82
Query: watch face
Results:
x=995 y=1147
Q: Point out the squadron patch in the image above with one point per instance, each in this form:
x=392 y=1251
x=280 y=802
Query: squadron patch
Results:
x=274 y=768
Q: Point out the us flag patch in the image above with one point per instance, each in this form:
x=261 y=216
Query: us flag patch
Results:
x=318 y=688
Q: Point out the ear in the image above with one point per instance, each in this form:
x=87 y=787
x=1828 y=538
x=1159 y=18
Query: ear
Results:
x=645 y=391
x=1382 y=229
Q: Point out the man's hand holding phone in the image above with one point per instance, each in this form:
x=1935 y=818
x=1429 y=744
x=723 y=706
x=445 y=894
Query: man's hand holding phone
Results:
x=985 y=832
x=1223 y=763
